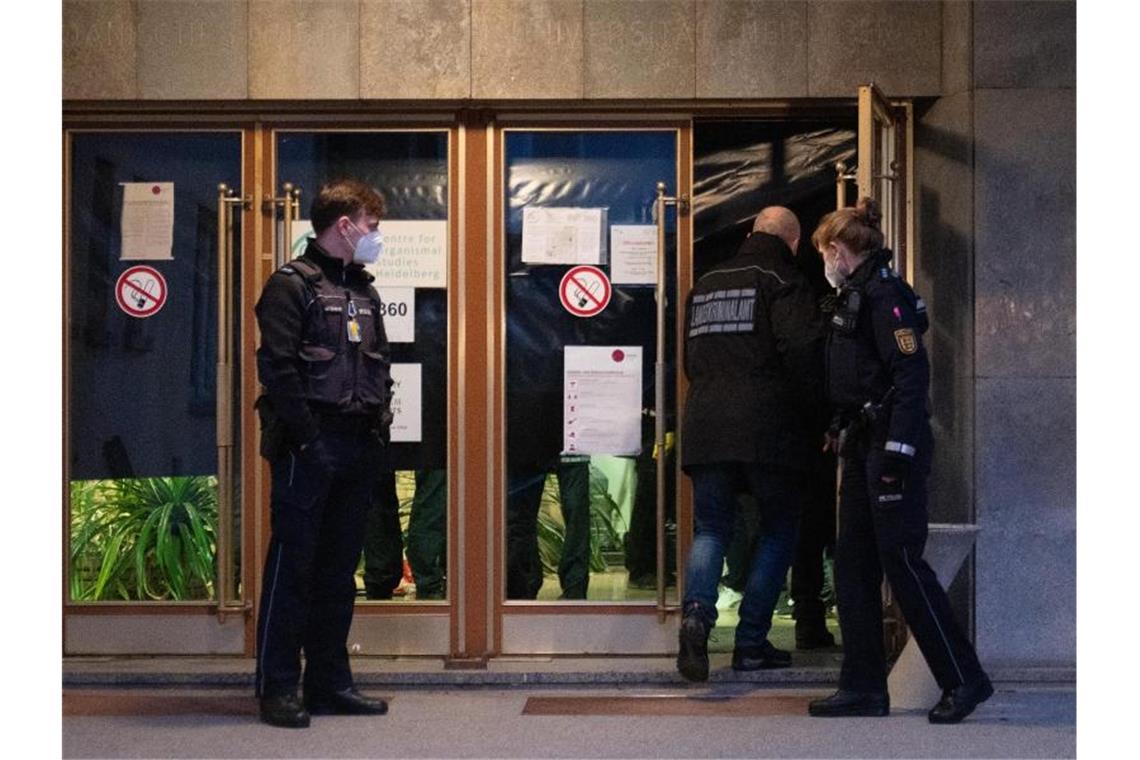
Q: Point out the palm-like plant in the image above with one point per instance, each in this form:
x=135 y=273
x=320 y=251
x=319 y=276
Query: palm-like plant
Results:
x=144 y=538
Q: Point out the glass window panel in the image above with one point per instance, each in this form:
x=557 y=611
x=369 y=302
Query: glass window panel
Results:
x=142 y=448
x=405 y=554
x=581 y=527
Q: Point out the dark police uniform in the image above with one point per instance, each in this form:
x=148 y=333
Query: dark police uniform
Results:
x=878 y=379
x=325 y=366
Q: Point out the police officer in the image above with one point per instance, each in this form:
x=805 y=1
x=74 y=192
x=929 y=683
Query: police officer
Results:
x=878 y=380
x=325 y=366
x=753 y=356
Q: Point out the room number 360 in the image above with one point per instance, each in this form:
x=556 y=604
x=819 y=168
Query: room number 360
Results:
x=393 y=309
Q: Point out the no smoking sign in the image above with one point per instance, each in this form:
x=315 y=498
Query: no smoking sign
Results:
x=141 y=291
x=585 y=291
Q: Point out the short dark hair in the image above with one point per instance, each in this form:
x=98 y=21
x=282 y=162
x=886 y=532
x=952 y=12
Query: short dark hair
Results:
x=344 y=197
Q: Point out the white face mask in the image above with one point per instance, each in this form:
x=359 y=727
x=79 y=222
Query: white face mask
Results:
x=368 y=248
x=832 y=273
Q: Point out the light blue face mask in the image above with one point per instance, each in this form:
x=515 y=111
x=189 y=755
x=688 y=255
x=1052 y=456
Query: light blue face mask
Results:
x=368 y=248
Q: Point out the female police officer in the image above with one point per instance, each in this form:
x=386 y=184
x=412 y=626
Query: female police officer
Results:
x=878 y=379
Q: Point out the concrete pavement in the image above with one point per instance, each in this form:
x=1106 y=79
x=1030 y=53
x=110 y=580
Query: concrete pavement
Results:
x=640 y=721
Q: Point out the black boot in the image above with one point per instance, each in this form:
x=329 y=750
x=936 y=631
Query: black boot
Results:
x=284 y=711
x=763 y=657
x=693 y=654
x=851 y=703
x=959 y=702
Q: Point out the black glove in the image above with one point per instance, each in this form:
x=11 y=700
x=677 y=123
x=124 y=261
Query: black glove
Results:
x=892 y=479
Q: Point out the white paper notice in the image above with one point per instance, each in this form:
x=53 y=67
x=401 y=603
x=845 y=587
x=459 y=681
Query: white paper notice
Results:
x=407 y=403
x=601 y=400
x=147 y=224
x=398 y=308
x=564 y=235
x=634 y=250
x=415 y=254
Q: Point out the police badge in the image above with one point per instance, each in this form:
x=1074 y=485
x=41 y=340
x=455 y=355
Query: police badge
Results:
x=908 y=344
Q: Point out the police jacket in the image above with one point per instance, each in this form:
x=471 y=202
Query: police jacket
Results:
x=754 y=360
x=875 y=354
x=323 y=347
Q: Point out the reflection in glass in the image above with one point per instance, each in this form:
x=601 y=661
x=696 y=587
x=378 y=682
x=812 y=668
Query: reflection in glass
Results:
x=580 y=526
x=405 y=545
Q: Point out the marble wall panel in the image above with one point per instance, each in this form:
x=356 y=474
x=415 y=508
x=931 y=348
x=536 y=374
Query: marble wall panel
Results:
x=1025 y=232
x=304 y=49
x=751 y=49
x=415 y=49
x=526 y=49
x=639 y=49
x=193 y=49
x=99 y=50
x=1026 y=493
x=896 y=44
x=1025 y=43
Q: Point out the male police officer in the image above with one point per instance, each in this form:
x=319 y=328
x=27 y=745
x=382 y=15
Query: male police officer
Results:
x=325 y=366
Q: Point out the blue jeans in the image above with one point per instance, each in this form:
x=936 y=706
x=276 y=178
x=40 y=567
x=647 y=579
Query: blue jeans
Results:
x=778 y=493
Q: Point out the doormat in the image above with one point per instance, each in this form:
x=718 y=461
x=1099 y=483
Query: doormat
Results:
x=670 y=704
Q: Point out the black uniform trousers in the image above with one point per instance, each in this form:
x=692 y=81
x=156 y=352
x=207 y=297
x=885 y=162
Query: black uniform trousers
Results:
x=889 y=537
x=318 y=504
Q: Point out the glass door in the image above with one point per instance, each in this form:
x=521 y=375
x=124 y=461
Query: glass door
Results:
x=883 y=170
x=579 y=364
x=153 y=508
x=402 y=580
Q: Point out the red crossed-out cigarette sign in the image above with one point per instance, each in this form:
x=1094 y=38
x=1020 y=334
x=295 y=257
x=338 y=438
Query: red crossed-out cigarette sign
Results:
x=585 y=291
x=141 y=291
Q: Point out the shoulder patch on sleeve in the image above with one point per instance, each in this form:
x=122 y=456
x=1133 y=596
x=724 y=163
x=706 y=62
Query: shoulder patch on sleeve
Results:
x=906 y=340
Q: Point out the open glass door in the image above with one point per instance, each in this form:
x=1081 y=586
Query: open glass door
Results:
x=883 y=171
x=153 y=511
x=578 y=240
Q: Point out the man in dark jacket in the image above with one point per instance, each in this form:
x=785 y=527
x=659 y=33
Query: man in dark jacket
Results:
x=753 y=356
x=325 y=365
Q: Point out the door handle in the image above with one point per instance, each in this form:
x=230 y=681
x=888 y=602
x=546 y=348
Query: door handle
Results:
x=224 y=388
x=659 y=443
x=290 y=202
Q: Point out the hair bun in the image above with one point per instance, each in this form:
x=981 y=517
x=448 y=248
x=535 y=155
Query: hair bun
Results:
x=869 y=212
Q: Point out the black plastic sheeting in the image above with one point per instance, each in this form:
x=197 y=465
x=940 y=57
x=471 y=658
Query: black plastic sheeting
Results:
x=740 y=167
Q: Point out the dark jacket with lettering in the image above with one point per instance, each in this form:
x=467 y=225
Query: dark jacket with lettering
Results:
x=306 y=361
x=875 y=345
x=754 y=359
